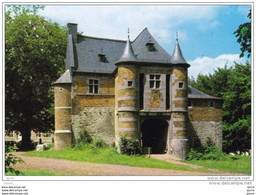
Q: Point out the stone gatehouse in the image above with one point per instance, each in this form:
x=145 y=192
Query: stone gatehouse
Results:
x=114 y=87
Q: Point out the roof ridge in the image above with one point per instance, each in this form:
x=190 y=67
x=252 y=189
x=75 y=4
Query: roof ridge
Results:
x=101 y=38
x=202 y=92
x=141 y=33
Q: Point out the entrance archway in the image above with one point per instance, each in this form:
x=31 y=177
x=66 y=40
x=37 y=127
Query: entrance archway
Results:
x=154 y=135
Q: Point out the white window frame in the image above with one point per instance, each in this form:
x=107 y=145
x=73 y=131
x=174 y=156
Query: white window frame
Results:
x=156 y=80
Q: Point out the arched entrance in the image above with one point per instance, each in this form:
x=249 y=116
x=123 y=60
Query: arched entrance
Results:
x=154 y=134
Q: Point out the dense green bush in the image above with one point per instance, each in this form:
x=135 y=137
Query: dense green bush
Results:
x=129 y=145
x=98 y=143
x=84 y=137
x=210 y=152
x=11 y=160
x=48 y=146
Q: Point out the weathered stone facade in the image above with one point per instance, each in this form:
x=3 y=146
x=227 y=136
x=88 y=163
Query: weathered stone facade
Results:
x=205 y=122
x=113 y=88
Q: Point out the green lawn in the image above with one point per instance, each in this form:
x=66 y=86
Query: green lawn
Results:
x=36 y=173
x=108 y=156
x=236 y=164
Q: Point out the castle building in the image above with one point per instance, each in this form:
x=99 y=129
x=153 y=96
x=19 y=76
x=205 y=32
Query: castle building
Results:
x=113 y=88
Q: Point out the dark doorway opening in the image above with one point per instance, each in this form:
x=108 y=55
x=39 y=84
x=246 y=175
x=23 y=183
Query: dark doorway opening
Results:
x=154 y=135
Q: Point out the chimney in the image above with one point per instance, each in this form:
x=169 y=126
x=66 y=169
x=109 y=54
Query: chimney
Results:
x=72 y=30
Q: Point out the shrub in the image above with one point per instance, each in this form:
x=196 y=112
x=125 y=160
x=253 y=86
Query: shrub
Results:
x=210 y=152
x=48 y=146
x=129 y=145
x=98 y=143
x=10 y=160
x=84 y=137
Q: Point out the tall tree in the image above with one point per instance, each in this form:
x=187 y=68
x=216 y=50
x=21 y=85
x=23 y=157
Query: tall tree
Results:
x=234 y=86
x=243 y=34
x=34 y=57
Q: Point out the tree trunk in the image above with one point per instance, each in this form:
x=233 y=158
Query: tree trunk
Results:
x=26 y=143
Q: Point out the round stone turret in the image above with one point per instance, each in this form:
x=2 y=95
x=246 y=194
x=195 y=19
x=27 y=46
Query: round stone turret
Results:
x=179 y=97
x=127 y=94
x=63 y=114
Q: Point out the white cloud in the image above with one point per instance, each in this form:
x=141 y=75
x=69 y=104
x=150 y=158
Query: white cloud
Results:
x=113 y=21
x=207 y=65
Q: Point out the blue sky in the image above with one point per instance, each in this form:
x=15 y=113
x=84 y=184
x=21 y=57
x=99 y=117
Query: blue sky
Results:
x=205 y=32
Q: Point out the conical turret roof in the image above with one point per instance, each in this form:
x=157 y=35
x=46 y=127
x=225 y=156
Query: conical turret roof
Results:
x=128 y=54
x=177 y=57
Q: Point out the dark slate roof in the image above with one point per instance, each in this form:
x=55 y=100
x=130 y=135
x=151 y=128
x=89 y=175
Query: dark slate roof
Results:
x=65 y=78
x=128 y=54
x=70 y=55
x=141 y=50
x=177 y=57
x=196 y=94
x=88 y=50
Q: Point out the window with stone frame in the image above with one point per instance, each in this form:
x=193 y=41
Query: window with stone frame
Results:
x=129 y=83
x=154 y=81
x=181 y=85
x=93 y=86
x=211 y=104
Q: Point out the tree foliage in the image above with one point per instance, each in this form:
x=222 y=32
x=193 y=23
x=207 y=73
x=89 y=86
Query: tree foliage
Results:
x=234 y=86
x=34 y=57
x=10 y=160
x=243 y=34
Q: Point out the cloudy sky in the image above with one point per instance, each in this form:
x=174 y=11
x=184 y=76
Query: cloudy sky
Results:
x=205 y=31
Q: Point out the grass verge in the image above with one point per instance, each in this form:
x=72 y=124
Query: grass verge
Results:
x=36 y=173
x=235 y=164
x=108 y=156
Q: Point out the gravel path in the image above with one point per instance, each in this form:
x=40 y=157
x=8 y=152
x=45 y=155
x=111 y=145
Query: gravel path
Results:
x=86 y=169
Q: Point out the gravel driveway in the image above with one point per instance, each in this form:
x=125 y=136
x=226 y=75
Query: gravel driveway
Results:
x=92 y=169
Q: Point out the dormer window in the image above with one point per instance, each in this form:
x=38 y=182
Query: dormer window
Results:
x=151 y=47
x=103 y=58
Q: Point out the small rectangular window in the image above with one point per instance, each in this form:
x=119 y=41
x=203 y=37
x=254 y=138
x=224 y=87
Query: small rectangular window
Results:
x=93 y=86
x=190 y=103
x=129 y=83
x=154 y=81
x=181 y=84
x=211 y=104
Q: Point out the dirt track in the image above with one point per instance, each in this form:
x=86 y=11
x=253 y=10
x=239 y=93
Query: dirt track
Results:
x=89 y=169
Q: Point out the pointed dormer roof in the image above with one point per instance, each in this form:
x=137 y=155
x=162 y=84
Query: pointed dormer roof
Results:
x=177 y=57
x=128 y=54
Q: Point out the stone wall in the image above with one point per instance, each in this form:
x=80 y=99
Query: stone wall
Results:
x=203 y=130
x=94 y=112
x=97 y=121
x=205 y=122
